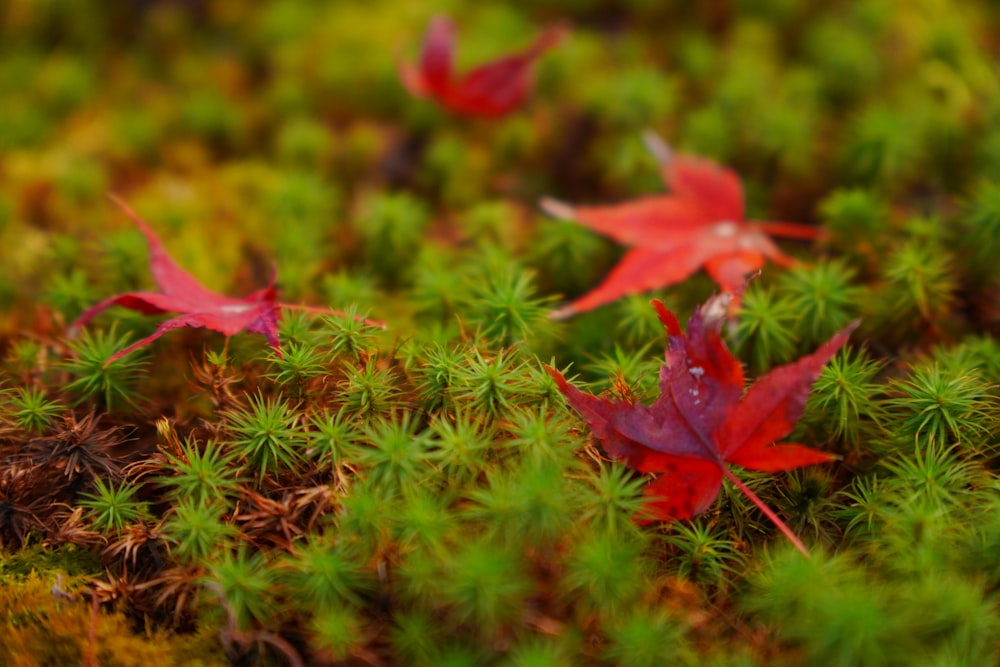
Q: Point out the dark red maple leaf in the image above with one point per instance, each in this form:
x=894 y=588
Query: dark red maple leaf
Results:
x=704 y=420
x=180 y=292
x=701 y=224
x=490 y=90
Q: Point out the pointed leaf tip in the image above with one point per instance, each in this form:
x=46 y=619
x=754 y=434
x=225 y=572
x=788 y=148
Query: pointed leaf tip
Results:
x=670 y=322
x=658 y=148
x=127 y=210
x=851 y=326
x=561 y=381
x=560 y=314
x=557 y=209
x=550 y=38
x=716 y=309
x=826 y=351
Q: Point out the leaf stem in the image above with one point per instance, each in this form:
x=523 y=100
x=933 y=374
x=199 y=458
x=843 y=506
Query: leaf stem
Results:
x=768 y=512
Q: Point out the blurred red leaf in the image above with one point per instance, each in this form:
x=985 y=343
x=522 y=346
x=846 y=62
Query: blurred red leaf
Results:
x=702 y=224
x=180 y=292
x=703 y=419
x=490 y=90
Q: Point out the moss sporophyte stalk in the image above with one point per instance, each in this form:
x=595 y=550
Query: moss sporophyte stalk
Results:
x=348 y=381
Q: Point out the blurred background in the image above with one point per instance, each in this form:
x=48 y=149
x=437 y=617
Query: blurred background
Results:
x=276 y=133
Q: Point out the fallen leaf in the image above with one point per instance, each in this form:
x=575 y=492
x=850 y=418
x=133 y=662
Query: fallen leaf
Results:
x=180 y=292
x=703 y=420
x=490 y=90
x=701 y=224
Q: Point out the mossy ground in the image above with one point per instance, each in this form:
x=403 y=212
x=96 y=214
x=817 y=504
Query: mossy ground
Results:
x=422 y=494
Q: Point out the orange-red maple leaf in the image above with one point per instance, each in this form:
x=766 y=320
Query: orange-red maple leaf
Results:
x=491 y=90
x=701 y=224
x=180 y=292
x=704 y=420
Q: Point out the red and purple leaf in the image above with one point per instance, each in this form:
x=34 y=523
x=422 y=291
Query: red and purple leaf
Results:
x=703 y=419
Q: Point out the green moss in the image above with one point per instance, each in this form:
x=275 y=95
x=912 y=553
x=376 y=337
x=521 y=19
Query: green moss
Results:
x=36 y=561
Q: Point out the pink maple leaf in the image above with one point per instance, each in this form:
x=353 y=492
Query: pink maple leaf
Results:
x=701 y=224
x=180 y=292
x=490 y=90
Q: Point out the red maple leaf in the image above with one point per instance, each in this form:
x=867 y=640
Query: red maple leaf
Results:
x=490 y=90
x=703 y=419
x=701 y=224
x=180 y=292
